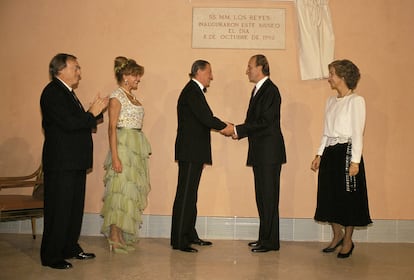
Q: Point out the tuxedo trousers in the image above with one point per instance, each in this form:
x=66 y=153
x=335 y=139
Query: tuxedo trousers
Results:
x=184 y=214
x=64 y=199
x=267 y=189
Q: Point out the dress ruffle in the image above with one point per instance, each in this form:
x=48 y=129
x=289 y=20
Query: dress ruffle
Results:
x=126 y=193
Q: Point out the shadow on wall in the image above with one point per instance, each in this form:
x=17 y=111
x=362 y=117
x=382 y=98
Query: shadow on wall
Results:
x=160 y=125
x=378 y=129
x=17 y=152
x=295 y=121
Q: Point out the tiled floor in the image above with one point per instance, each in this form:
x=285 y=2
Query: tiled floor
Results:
x=226 y=259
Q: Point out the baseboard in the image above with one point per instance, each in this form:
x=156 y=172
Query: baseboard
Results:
x=238 y=228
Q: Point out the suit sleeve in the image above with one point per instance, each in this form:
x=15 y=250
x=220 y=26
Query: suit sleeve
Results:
x=56 y=106
x=202 y=111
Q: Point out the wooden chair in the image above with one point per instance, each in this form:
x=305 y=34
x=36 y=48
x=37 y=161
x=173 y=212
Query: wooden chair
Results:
x=17 y=207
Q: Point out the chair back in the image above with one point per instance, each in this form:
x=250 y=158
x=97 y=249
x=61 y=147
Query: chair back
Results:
x=38 y=189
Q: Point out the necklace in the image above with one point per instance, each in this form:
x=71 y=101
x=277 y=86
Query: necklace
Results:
x=130 y=94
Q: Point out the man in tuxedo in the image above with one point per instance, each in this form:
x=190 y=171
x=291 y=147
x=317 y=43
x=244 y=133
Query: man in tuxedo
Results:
x=67 y=155
x=266 y=152
x=192 y=151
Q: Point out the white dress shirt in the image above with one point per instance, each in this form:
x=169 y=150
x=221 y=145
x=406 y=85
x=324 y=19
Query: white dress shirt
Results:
x=259 y=84
x=199 y=84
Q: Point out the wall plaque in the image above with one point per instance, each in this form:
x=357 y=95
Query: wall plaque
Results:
x=238 y=28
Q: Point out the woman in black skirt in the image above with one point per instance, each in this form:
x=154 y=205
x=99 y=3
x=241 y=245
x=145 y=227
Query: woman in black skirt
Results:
x=342 y=197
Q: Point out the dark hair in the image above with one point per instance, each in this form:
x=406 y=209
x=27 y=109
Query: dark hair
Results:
x=347 y=70
x=197 y=65
x=261 y=60
x=58 y=62
x=125 y=66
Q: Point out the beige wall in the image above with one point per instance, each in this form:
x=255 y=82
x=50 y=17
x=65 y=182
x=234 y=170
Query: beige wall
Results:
x=375 y=34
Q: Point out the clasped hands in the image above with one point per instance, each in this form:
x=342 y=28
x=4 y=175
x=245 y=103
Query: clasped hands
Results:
x=98 y=105
x=229 y=131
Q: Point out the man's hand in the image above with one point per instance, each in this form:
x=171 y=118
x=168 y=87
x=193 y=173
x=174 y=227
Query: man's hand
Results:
x=228 y=130
x=99 y=105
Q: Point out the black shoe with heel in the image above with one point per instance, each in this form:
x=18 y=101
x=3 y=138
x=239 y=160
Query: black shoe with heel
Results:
x=332 y=249
x=346 y=255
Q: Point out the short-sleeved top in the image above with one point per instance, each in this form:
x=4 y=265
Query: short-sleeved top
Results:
x=130 y=116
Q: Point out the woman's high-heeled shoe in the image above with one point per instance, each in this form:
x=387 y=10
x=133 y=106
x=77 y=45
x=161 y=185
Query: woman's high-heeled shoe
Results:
x=346 y=255
x=116 y=247
x=129 y=245
x=332 y=249
x=129 y=248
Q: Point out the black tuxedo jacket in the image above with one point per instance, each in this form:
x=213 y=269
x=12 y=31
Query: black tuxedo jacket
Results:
x=67 y=129
x=195 y=120
x=262 y=127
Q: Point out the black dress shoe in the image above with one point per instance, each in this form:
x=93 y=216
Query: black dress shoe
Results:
x=188 y=249
x=346 y=255
x=60 y=265
x=262 y=249
x=254 y=243
x=84 y=256
x=201 y=242
x=332 y=249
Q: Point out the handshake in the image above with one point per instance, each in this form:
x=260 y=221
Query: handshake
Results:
x=229 y=131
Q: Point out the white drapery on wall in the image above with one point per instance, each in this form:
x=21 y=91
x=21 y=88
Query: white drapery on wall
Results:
x=316 y=38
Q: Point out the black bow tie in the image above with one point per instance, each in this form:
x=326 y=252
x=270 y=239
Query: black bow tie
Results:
x=205 y=90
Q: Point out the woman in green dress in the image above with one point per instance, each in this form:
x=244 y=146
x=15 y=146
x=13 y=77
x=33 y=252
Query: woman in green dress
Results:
x=127 y=177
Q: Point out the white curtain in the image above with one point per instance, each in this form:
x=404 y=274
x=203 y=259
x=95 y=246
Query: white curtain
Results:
x=316 y=38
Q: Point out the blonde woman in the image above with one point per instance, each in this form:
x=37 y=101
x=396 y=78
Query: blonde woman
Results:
x=127 y=178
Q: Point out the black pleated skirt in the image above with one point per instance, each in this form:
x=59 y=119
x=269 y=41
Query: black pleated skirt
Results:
x=334 y=203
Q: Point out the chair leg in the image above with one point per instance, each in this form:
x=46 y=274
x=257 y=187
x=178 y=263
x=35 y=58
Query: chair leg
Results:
x=33 y=227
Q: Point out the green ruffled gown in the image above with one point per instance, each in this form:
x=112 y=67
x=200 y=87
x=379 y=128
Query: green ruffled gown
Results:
x=126 y=193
